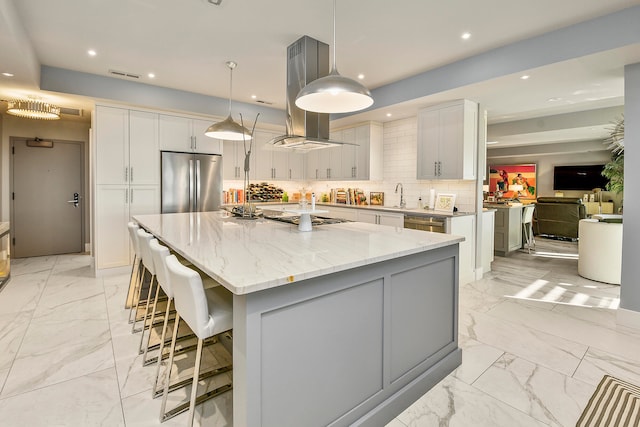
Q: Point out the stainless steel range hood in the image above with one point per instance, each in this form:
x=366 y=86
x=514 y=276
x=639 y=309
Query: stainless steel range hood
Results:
x=307 y=60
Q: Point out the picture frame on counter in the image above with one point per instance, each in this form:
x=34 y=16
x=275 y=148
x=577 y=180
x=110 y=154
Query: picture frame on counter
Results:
x=445 y=202
x=376 y=198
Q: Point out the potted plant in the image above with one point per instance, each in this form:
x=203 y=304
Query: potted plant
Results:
x=614 y=170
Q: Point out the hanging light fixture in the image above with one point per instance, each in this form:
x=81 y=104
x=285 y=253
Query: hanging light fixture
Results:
x=33 y=109
x=334 y=93
x=228 y=128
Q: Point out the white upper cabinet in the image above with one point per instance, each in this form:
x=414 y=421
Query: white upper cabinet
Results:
x=126 y=147
x=447 y=141
x=232 y=160
x=186 y=134
x=144 y=155
x=112 y=145
x=348 y=162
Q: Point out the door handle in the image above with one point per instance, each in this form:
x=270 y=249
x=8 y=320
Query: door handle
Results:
x=75 y=201
x=197 y=185
x=191 y=179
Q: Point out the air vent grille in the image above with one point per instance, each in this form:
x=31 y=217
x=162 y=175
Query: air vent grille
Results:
x=71 y=111
x=124 y=74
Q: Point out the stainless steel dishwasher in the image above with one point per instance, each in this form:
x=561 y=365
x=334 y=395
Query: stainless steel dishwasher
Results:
x=426 y=223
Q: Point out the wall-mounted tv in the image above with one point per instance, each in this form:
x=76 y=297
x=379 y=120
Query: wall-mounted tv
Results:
x=578 y=177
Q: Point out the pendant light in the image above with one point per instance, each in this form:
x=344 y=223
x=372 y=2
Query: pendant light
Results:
x=228 y=128
x=33 y=109
x=334 y=93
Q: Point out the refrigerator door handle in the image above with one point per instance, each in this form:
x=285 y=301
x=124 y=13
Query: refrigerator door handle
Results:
x=191 y=179
x=197 y=193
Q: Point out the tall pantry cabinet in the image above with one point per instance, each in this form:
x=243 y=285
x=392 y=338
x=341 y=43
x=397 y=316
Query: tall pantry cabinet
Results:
x=126 y=178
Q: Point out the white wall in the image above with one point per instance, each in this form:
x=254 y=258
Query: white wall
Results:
x=67 y=130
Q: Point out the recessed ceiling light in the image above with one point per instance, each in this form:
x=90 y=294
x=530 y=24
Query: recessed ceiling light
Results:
x=492 y=142
x=151 y=75
x=361 y=76
x=7 y=74
x=554 y=99
x=389 y=114
x=466 y=35
x=254 y=96
x=92 y=52
x=525 y=77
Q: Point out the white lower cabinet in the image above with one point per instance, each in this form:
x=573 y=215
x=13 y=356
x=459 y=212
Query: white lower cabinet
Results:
x=465 y=226
x=115 y=205
x=382 y=218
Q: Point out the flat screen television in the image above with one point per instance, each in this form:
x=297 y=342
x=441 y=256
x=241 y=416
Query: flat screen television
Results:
x=578 y=177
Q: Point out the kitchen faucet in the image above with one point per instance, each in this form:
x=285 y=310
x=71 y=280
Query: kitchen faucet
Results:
x=403 y=204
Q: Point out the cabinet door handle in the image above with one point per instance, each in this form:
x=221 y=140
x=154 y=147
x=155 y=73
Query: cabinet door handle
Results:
x=316 y=173
x=126 y=197
x=289 y=173
x=435 y=168
x=126 y=174
x=131 y=196
x=439 y=168
x=195 y=142
x=131 y=174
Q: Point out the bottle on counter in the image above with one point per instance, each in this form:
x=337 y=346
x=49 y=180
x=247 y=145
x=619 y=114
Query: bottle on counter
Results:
x=285 y=197
x=420 y=202
x=313 y=201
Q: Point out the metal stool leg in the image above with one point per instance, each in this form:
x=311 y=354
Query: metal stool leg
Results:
x=163 y=415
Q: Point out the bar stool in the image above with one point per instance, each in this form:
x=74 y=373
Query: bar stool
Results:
x=159 y=254
x=143 y=242
x=208 y=313
x=527 y=226
x=135 y=268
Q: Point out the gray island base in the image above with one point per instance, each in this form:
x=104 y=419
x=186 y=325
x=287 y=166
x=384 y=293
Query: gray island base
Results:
x=371 y=326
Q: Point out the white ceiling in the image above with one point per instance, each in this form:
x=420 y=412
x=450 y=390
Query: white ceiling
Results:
x=186 y=44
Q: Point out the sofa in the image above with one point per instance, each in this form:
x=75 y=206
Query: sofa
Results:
x=558 y=216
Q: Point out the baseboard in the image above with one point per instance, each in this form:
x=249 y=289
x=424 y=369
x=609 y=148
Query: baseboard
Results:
x=628 y=318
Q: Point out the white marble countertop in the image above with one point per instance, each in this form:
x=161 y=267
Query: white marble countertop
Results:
x=252 y=255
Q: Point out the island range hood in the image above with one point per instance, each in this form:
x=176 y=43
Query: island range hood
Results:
x=307 y=60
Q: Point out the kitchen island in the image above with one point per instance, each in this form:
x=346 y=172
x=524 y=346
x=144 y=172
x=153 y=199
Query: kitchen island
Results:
x=347 y=324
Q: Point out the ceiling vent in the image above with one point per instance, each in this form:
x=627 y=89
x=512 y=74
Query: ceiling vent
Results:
x=124 y=74
x=77 y=112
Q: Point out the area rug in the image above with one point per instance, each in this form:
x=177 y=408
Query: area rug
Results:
x=615 y=403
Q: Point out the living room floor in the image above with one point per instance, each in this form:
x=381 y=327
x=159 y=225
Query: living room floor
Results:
x=536 y=340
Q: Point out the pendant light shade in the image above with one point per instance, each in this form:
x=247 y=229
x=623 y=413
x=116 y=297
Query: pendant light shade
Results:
x=229 y=129
x=334 y=93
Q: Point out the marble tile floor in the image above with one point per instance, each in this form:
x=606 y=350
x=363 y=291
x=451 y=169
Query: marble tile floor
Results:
x=536 y=340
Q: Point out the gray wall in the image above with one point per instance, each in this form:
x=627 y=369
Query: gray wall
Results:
x=630 y=291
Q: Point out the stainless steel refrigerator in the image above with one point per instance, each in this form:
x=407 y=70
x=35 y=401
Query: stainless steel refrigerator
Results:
x=191 y=182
